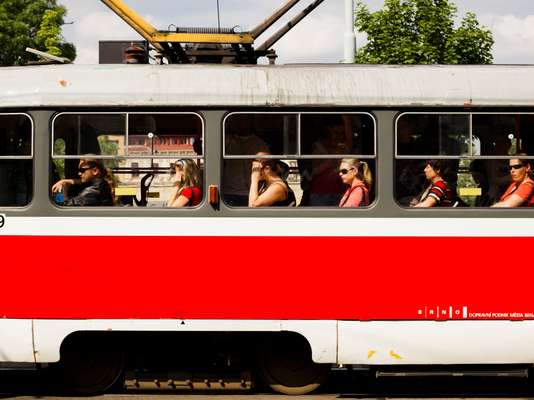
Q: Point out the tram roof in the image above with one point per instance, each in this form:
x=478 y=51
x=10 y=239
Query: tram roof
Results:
x=288 y=85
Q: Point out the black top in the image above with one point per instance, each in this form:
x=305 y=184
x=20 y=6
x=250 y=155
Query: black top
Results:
x=94 y=193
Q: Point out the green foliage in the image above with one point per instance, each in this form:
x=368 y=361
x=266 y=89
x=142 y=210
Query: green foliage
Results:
x=31 y=23
x=421 y=32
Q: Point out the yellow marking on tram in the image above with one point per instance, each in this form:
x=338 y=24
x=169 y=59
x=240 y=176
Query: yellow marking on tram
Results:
x=395 y=355
x=370 y=354
x=467 y=191
x=125 y=191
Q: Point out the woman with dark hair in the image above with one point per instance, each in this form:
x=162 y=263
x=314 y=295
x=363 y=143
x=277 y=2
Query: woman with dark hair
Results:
x=267 y=185
x=520 y=193
x=357 y=175
x=438 y=193
x=186 y=192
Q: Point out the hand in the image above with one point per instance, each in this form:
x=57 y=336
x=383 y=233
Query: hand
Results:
x=62 y=185
x=256 y=170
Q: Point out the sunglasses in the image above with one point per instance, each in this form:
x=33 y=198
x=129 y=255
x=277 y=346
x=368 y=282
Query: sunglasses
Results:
x=515 y=166
x=345 y=171
x=81 y=170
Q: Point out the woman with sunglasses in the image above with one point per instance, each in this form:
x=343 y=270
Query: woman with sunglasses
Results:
x=438 y=193
x=520 y=193
x=357 y=175
x=186 y=191
x=267 y=185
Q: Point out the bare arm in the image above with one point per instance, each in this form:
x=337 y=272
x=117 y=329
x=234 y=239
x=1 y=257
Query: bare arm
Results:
x=512 y=201
x=253 y=193
x=173 y=197
x=274 y=193
x=426 y=203
x=181 y=201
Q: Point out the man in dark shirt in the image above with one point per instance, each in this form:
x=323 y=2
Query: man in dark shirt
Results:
x=94 y=189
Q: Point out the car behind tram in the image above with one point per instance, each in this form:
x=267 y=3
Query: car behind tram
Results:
x=220 y=289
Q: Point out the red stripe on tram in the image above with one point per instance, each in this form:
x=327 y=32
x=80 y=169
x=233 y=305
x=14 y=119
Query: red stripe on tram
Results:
x=360 y=278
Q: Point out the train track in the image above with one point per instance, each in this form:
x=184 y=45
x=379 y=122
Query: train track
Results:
x=341 y=384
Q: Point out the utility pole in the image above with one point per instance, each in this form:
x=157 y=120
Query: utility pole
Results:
x=350 y=36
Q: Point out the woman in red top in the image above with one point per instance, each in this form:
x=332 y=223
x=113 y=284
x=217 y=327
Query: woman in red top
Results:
x=357 y=175
x=438 y=193
x=186 y=192
x=521 y=190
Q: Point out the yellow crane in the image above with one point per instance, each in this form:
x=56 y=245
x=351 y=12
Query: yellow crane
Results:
x=188 y=45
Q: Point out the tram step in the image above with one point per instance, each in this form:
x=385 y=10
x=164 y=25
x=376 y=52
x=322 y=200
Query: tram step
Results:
x=18 y=366
x=187 y=381
x=506 y=373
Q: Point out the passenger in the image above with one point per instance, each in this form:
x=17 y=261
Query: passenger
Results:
x=357 y=175
x=520 y=193
x=492 y=175
x=438 y=193
x=186 y=192
x=267 y=185
x=240 y=140
x=94 y=189
x=325 y=187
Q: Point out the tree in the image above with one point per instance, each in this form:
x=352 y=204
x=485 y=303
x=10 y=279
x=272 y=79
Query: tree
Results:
x=31 y=23
x=421 y=32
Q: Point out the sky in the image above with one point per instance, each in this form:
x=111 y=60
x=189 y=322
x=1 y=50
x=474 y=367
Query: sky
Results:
x=319 y=38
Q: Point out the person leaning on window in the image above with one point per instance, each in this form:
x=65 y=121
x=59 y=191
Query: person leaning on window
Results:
x=438 y=193
x=520 y=193
x=357 y=175
x=94 y=189
x=186 y=192
x=267 y=184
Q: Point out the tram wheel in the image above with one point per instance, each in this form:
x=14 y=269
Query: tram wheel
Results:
x=89 y=364
x=286 y=366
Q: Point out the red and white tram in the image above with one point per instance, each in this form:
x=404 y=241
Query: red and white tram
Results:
x=294 y=290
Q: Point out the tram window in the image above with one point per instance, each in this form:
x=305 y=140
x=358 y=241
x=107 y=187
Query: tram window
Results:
x=504 y=134
x=324 y=134
x=307 y=169
x=16 y=164
x=477 y=176
x=152 y=134
x=99 y=134
x=433 y=134
x=249 y=134
x=155 y=161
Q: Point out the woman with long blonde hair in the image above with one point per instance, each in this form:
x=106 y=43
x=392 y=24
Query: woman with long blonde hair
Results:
x=186 y=192
x=357 y=175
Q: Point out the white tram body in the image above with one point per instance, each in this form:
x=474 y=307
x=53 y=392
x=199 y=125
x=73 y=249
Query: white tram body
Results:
x=377 y=285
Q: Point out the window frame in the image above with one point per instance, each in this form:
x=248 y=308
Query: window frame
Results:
x=374 y=157
x=126 y=135
x=32 y=138
x=299 y=156
x=469 y=157
x=26 y=157
x=130 y=157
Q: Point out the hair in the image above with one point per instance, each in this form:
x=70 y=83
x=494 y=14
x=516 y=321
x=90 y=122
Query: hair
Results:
x=95 y=163
x=191 y=173
x=278 y=167
x=105 y=173
x=440 y=166
x=363 y=172
x=524 y=161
